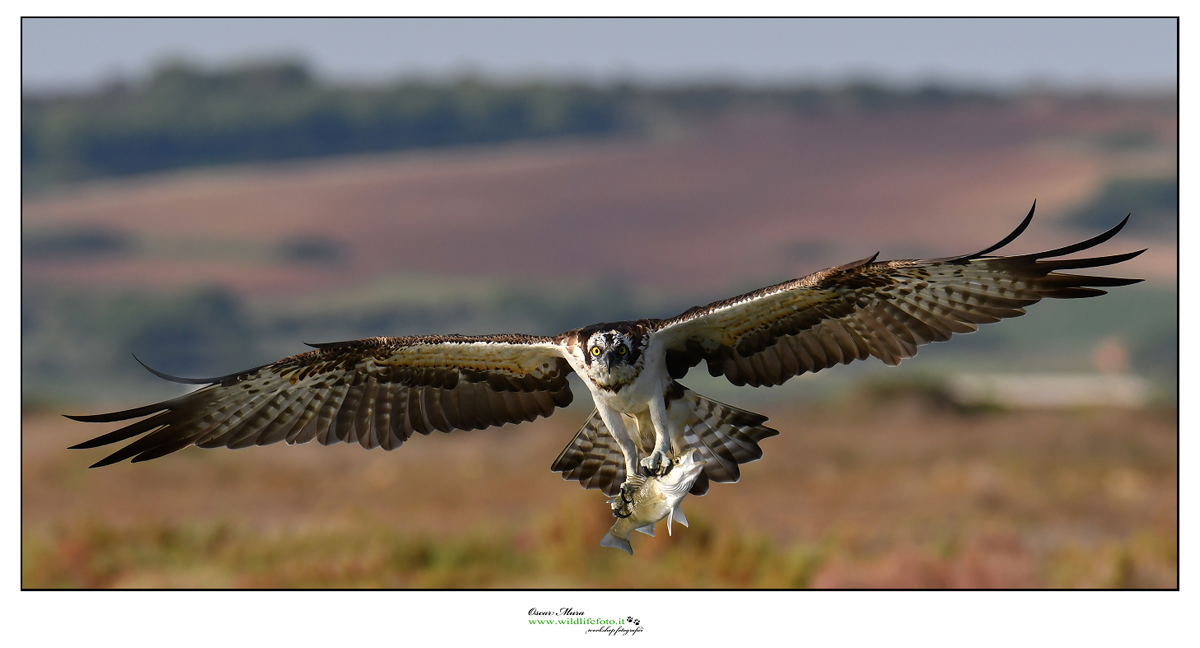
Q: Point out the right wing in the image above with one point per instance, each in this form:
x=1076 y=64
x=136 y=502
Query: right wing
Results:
x=866 y=308
x=376 y=392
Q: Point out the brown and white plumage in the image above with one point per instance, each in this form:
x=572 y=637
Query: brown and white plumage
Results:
x=726 y=436
x=866 y=308
x=375 y=392
x=380 y=391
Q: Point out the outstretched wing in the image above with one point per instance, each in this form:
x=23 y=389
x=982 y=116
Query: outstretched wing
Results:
x=376 y=392
x=885 y=309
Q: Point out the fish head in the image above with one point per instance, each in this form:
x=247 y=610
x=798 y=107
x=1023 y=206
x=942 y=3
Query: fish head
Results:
x=685 y=468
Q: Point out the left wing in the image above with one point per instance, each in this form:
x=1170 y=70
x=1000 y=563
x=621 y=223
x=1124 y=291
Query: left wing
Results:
x=863 y=309
x=376 y=392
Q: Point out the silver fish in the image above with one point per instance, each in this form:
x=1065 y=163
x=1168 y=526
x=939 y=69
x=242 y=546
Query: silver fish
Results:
x=655 y=498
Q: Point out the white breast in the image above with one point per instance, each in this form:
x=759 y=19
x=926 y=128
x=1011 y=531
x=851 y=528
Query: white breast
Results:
x=635 y=398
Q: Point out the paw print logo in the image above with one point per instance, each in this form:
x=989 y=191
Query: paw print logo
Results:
x=629 y=619
x=636 y=622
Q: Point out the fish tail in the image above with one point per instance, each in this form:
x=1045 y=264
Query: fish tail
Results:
x=610 y=540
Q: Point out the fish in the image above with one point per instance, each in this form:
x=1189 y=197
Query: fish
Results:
x=653 y=499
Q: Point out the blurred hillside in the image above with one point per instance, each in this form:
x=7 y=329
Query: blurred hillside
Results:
x=323 y=213
x=184 y=116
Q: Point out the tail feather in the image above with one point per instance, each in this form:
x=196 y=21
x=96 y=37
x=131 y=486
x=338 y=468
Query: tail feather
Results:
x=593 y=458
x=726 y=437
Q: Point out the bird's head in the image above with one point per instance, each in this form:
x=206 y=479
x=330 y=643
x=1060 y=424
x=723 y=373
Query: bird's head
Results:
x=614 y=357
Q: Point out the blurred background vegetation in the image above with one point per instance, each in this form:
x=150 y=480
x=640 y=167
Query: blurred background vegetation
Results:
x=185 y=116
x=209 y=220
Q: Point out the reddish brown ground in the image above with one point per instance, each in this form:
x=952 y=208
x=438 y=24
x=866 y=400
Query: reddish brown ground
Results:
x=892 y=495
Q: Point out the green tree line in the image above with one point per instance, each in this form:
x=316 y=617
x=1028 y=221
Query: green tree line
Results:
x=182 y=116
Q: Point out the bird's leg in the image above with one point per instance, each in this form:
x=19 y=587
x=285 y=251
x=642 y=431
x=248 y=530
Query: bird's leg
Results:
x=659 y=462
x=622 y=504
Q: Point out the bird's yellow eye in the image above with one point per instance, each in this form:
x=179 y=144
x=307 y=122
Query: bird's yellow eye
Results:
x=621 y=350
x=595 y=351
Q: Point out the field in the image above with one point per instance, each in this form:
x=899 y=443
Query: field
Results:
x=733 y=200
x=896 y=493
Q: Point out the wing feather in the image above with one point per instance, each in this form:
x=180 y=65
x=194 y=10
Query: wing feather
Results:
x=275 y=429
x=375 y=392
x=866 y=308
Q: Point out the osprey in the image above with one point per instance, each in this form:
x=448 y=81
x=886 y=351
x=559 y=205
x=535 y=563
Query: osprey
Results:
x=379 y=391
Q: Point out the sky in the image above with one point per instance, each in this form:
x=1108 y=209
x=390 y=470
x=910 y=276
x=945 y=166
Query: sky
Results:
x=1139 y=54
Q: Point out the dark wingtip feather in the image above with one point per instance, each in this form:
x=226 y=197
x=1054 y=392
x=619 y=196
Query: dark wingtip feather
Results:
x=86 y=445
x=176 y=379
x=199 y=381
x=123 y=415
x=107 y=461
x=856 y=264
x=126 y=432
x=163 y=449
x=1068 y=280
x=330 y=345
x=1115 y=281
x=1083 y=245
x=1012 y=236
x=1094 y=262
x=1077 y=292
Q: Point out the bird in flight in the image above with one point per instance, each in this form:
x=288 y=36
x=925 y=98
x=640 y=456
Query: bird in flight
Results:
x=378 y=392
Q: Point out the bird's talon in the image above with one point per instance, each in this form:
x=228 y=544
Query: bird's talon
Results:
x=621 y=509
x=657 y=464
x=622 y=505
